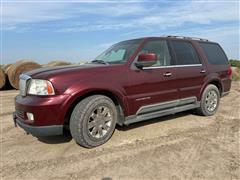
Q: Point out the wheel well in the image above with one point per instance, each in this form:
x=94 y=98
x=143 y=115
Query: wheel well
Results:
x=116 y=101
x=218 y=84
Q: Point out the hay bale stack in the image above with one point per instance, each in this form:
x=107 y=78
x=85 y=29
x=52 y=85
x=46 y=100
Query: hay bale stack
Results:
x=2 y=78
x=57 y=63
x=18 y=68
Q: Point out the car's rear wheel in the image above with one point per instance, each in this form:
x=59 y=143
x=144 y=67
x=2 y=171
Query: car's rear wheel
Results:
x=209 y=101
x=93 y=121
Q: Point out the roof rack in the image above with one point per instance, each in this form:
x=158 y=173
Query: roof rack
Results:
x=191 y=38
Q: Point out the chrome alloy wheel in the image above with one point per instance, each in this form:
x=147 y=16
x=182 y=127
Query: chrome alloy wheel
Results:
x=100 y=121
x=211 y=100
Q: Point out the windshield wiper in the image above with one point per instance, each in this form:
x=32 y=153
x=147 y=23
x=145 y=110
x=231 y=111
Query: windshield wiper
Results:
x=100 y=62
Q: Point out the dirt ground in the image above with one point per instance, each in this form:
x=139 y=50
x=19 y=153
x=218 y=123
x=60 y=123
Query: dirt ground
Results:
x=181 y=146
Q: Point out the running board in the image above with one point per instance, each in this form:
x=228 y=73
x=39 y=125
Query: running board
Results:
x=147 y=116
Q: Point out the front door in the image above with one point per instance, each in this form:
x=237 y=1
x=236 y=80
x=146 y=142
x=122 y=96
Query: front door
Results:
x=154 y=84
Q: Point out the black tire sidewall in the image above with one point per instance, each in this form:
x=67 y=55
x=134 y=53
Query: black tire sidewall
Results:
x=79 y=120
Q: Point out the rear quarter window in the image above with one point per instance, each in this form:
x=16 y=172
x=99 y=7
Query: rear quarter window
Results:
x=214 y=53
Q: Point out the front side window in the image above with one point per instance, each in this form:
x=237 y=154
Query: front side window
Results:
x=160 y=48
x=119 y=53
x=185 y=53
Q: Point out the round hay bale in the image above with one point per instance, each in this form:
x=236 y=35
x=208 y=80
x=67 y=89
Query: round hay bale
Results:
x=6 y=67
x=57 y=63
x=2 y=78
x=18 y=68
x=7 y=85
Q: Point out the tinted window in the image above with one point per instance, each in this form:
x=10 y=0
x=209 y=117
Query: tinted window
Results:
x=185 y=53
x=214 y=53
x=160 y=48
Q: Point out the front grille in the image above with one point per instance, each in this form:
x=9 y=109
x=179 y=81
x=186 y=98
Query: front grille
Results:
x=20 y=114
x=23 y=79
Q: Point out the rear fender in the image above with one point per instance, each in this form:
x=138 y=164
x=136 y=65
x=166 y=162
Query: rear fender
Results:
x=209 y=80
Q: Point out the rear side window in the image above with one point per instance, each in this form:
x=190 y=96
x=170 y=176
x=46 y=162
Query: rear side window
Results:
x=214 y=53
x=185 y=53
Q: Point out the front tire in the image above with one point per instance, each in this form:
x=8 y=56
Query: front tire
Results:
x=209 y=101
x=93 y=121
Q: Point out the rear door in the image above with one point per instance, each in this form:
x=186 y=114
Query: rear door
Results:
x=154 y=84
x=190 y=69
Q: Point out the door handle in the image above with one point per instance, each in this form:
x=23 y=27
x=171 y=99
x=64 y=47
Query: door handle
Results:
x=167 y=74
x=203 y=71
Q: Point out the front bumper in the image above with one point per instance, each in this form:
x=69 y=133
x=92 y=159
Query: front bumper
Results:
x=38 y=130
x=47 y=111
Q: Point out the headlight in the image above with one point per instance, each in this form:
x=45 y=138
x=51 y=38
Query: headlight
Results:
x=40 y=87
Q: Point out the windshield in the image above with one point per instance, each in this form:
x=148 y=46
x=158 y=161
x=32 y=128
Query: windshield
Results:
x=118 y=53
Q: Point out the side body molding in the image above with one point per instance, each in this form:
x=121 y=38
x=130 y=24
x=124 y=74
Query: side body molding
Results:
x=162 y=109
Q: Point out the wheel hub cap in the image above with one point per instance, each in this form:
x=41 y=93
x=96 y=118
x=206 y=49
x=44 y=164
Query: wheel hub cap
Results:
x=99 y=121
x=211 y=100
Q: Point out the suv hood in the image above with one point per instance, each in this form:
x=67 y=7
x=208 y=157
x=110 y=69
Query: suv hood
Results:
x=47 y=72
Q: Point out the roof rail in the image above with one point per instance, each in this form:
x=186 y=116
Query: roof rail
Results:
x=191 y=38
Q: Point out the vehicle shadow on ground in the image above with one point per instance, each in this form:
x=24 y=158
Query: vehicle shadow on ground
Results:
x=66 y=137
x=153 y=121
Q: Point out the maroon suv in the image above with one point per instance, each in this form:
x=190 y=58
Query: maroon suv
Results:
x=132 y=81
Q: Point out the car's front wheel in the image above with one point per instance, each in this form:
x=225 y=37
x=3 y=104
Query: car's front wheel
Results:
x=93 y=121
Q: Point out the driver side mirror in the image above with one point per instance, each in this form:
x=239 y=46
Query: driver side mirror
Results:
x=146 y=60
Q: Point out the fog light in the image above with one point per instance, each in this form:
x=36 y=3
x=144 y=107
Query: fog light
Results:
x=30 y=116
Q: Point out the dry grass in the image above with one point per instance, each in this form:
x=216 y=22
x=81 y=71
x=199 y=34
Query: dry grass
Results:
x=236 y=74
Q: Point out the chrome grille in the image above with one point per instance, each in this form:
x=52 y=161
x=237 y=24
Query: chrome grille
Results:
x=23 y=84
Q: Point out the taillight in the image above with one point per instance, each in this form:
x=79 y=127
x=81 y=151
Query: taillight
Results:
x=230 y=72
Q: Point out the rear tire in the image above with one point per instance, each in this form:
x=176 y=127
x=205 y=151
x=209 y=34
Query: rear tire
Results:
x=209 y=101
x=93 y=121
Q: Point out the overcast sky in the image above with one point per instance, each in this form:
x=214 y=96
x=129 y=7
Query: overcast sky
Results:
x=80 y=30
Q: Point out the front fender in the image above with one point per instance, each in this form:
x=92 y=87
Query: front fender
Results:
x=81 y=90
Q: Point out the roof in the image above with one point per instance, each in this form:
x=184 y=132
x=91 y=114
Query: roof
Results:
x=171 y=37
